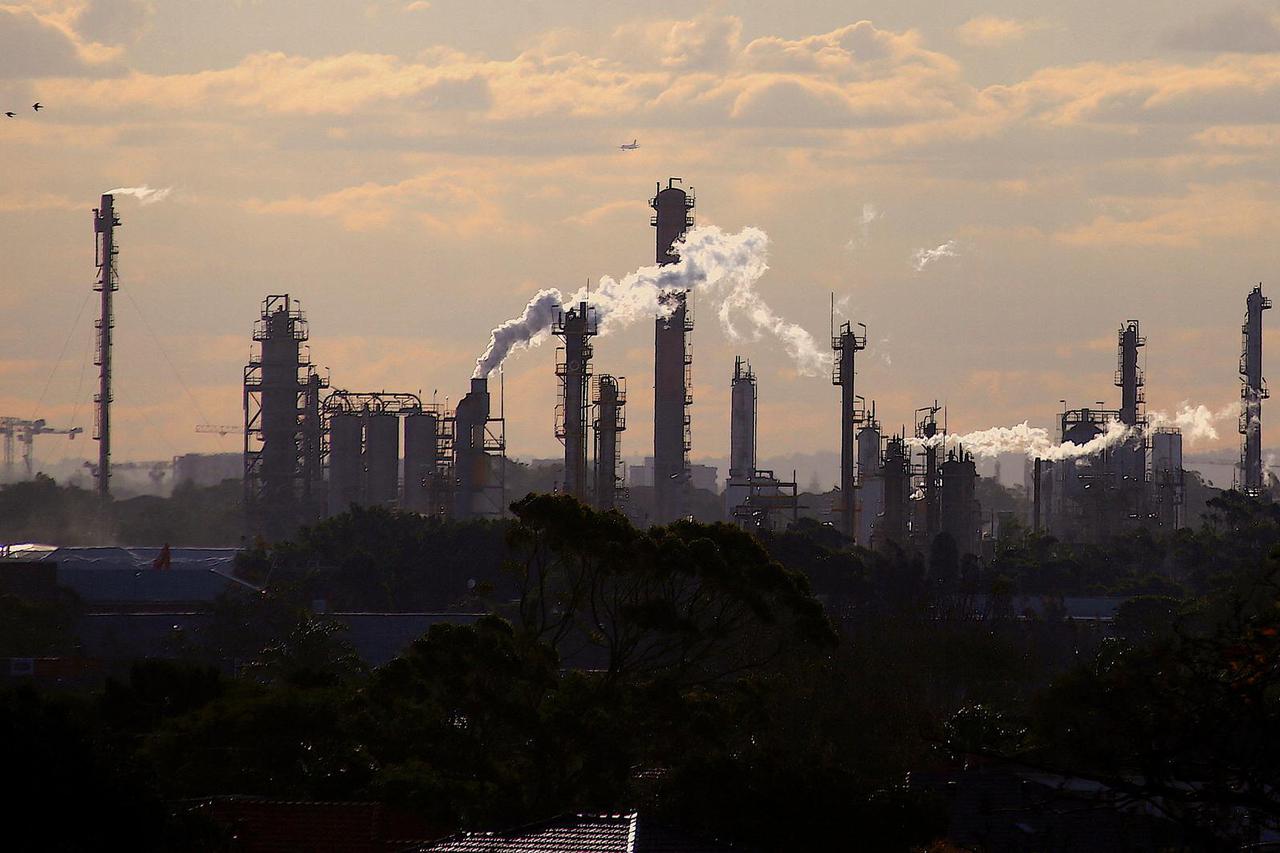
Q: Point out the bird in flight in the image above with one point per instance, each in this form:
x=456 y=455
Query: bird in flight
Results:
x=11 y=114
x=37 y=106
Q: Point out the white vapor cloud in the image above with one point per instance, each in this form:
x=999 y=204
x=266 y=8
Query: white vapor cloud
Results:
x=144 y=194
x=1198 y=423
x=718 y=266
x=923 y=257
x=1031 y=441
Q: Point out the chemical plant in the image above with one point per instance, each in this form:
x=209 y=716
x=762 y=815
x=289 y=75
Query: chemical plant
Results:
x=312 y=450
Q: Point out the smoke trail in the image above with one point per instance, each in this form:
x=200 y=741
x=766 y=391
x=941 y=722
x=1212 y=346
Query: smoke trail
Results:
x=1198 y=423
x=1028 y=440
x=719 y=266
x=870 y=213
x=527 y=330
x=144 y=194
x=923 y=257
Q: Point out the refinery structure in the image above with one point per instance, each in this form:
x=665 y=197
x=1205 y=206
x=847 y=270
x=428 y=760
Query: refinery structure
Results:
x=312 y=449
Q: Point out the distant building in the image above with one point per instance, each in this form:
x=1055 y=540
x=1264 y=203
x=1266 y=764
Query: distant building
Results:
x=207 y=469
x=705 y=477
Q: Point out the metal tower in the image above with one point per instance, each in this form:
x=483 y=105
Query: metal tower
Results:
x=673 y=215
x=1252 y=392
x=576 y=327
x=846 y=345
x=926 y=431
x=479 y=446
x=742 y=421
x=610 y=422
x=278 y=427
x=104 y=225
x=1129 y=378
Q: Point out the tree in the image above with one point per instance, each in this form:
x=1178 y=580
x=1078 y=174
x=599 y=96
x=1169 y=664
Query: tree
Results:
x=688 y=601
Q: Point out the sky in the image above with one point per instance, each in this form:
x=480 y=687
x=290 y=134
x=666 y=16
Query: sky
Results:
x=992 y=187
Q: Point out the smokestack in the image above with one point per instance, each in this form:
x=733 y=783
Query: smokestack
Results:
x=104 y=225
x=846 y=345
x=673 y=215
x=611 y=397
x=470 y=459
x=1253 y=392
x=576 y=327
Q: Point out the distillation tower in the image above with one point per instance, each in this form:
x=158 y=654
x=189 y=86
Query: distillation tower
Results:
x=576 y=327
x=104 y=224
x=1253 y=391
x=742 y=434
x=673 y=215
x=282 y=440
x=610 y=421
x=847 y=344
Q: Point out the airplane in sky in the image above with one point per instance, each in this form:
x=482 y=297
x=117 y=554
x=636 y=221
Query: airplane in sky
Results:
x=629 y=146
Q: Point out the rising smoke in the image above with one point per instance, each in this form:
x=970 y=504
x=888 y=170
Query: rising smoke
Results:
x=718 y=266
x=144 y=194
x=1030 y=441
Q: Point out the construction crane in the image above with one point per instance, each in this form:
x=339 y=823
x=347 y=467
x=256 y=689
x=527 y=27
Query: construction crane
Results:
x=220 y=429
x=18 y=430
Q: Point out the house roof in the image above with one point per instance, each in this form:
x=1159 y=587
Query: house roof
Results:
x=582 y=833
x=125 y=575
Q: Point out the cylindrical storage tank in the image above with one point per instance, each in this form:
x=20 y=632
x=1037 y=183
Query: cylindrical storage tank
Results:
x=421 y=459
x=382 y=459
x=1166 y=456
x=607 y=444
x=280 y=388
x=345 y=464
x=870 y=485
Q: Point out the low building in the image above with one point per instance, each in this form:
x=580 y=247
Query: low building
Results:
x=619 y=833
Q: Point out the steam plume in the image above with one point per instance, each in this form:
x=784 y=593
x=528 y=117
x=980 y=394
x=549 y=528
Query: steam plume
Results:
x=1198 y=423
x=144 y=194
x=923 y=257
x=723 y=267
x=1028 y=440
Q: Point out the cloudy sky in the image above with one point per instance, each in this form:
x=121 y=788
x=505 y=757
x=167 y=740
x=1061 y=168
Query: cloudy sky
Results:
x=992 y=187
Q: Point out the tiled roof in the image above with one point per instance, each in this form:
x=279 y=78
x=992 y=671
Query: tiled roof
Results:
x=624 y=833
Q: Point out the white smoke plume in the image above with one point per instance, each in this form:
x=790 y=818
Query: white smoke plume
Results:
x=1198 y=423
x=144 y=194
x=870 y=213
x=923 y=257
x=719 y=266
x=1028 y=440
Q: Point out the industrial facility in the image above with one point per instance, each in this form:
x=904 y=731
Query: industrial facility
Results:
x=311 y=450
x=1135 y=480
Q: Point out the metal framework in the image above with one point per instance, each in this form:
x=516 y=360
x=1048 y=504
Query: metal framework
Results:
x=16 y=431
x=1253 y=390
x=278 y=380
x=930 y=472
x=105 y=222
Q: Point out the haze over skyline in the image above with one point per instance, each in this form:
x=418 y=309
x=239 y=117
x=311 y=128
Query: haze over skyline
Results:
x=991 y=187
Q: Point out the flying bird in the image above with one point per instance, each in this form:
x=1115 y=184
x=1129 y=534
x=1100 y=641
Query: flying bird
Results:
x=11 y=114
x=37 y=106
